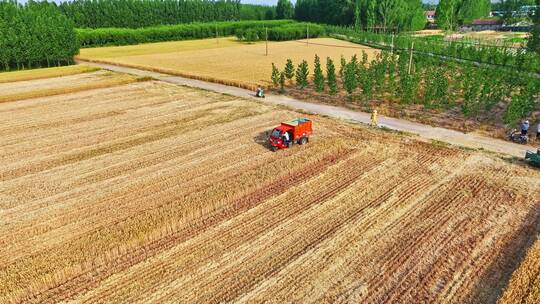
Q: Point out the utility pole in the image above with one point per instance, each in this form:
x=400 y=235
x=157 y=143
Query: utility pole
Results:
x=217 y=39
x=307 y=35
x=410 y=59
x=266 y=30
x=392 y=43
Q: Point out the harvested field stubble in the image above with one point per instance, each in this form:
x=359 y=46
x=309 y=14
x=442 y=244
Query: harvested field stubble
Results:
x=149 y=192
x=45 y=73
x=524 y=286
x=13 y=91
x=243 y=65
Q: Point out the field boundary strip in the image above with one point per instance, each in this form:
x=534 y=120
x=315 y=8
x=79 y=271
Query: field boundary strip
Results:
x=67 y=90
x=128 y=257
x=26 y=75
x=233 y=83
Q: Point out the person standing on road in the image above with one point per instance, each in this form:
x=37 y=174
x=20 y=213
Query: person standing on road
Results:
x=525 y=128
x=374 y=118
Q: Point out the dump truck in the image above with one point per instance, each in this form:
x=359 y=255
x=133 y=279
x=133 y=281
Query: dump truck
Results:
x=534 y=158
x=297 y=131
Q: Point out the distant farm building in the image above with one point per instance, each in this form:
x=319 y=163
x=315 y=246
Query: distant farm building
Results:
x=430 y=16
x=484 y=25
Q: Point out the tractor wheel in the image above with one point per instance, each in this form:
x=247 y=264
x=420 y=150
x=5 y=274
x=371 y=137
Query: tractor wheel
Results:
x=303 y=140
x=273 y=148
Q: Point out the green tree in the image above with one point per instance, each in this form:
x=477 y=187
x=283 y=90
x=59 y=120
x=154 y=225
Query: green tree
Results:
x=447 y=14
x=533 y=42
x=275 y=75
x=357 y=17
x=318 y=77
x=371 y=14
x=350 y=82
x=289 y=70
x=282 y=82
x=284 y=9
x=470 y=10
x=35 y=35
x=331 y=76
x=302 y=73
x=472 y=86
x=389 y=11
x=342 y=65
x=523 y=102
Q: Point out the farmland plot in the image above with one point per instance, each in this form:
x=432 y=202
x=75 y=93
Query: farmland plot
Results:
x=236 y=64
x=524 y=286
x=82 y=80
x=149 y=192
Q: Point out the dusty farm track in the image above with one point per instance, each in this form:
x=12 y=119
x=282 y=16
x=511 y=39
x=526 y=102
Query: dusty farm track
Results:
x=151 y=192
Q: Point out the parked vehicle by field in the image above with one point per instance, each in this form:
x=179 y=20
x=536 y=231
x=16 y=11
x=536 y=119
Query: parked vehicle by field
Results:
x=517 y=137
x=291 y=132
x=533 y=158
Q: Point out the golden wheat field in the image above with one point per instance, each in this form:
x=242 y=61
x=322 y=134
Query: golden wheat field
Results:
x=524 y=286
x=46 y=84
x=45 y=73
x=154 y=193
x=229 y=62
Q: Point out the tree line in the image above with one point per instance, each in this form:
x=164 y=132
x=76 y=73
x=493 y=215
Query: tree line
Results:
x=278 y=30
x=427 y=81
x=144 y=13
x=520 y=59
x=533 y=42
x=289 y=31
x=452 y=13
x=513 y=10
x=371 y=15
x=34 y=35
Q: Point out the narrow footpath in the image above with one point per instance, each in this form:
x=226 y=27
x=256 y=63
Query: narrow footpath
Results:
x=453 y=137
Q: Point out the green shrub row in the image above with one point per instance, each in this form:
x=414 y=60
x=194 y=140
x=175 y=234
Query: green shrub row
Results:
x=516 y=58
x=285 y=32
x=127 y=36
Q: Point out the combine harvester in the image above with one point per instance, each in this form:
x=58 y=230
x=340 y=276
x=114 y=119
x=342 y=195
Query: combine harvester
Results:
x=534 y=158
x=289 y=133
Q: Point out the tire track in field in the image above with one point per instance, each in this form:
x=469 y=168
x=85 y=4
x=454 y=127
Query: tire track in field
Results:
x=93 y=277
x=118 y=165
x=294 y=277
x=252 y=265
x=127 y=107
x=195 y=184
x=136 y=121
x=396 y=259
x=173 y=129
x=273 y=212
x=381 y=220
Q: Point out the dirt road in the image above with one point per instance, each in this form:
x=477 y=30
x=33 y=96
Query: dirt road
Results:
x=425 y=131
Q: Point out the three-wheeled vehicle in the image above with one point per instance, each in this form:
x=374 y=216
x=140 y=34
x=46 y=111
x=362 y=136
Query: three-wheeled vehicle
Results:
x=534 y=158
x=292 y=132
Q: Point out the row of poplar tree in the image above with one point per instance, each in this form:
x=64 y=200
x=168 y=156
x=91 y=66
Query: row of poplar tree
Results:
x=144 y=13
x=35 y=35
x=452 y=13
x=376 y=15
x=429 y=81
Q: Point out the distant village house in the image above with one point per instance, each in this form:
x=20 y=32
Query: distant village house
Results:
x=484 y=25
x=430 y=16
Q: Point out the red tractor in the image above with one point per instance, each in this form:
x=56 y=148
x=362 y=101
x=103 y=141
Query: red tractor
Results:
x=289 y=133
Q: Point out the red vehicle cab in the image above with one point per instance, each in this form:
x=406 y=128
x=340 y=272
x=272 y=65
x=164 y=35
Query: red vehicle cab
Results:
x=297 y=131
